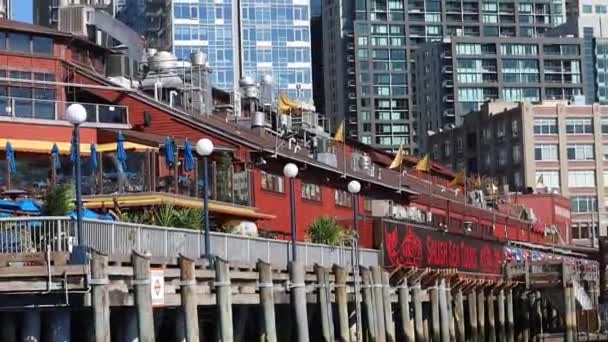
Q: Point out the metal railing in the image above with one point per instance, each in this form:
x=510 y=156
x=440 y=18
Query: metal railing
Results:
x=34 y=234
x=31 y=108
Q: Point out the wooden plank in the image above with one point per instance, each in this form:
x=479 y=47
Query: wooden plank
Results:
x=188 y=300
x=143 y=297
x=342 y=304
x=101 y=298
x=267 y=301
x=298 y=300
x=223 y=293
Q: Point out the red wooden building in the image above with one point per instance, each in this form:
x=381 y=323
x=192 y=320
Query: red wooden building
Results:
x=246 y=167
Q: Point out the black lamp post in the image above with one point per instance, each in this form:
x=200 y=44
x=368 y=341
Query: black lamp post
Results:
x=76 y=114
x=204 y=148
x=290 y=170
x=354 y=187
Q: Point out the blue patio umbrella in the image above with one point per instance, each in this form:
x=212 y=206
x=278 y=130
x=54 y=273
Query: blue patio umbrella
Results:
x=121 y=154
x=169 y=152
x=188 y=157
x=28 y=205
x=10 y=158
x=55 y=155
x=93 y=159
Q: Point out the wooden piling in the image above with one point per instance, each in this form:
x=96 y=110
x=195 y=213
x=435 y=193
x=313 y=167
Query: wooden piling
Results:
x=223 y=293
x=459 y=316
x=451 y=321
x=298 y=300
x=8 y=327
x=481 y=315
x=502 y=332
x=491 y=319
x=407 y=326
x=342 y=304
x=472 y=304
x=525 y=328
x=100 y=297
x=379 y=303
x=368 y=299
x=388 y=310
x=143 y=297
x=31 y=326
x=418 y=323
x=189 y=301
x=510 y=316
x=323 y=302
x=435 y=319
x=443 y=312
x=267 y=301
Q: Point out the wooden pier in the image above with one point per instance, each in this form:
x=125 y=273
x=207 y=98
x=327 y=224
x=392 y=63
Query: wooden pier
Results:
x=114 y=298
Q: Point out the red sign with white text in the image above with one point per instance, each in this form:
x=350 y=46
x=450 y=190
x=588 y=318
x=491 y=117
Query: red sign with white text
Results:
x=412 y=246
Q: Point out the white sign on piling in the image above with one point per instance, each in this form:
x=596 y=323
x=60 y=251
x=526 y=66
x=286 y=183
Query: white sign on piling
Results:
x=157 y=287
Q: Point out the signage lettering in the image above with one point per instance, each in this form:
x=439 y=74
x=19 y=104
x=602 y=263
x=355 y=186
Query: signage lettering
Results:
x=411 y=246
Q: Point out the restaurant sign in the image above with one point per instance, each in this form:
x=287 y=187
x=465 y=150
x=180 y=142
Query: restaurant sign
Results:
x=407 y=246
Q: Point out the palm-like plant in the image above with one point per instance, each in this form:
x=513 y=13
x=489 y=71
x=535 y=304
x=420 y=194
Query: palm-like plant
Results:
x=59 y=200
x=325 y=230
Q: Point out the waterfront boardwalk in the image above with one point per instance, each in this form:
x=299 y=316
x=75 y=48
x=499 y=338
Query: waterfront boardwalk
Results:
x=121 y=298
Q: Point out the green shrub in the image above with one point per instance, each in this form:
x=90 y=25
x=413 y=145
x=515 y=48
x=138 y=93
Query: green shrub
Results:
x=59 y=201
x=326 y=230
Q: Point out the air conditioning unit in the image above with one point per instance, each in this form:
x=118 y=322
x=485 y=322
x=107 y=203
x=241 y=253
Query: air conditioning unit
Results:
x=382 y=208
x=74 y=19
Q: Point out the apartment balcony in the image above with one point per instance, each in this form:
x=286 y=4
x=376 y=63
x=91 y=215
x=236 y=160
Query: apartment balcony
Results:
x=446 y=55
x=30 y=108
x=447 y=69
x=448 y=98
x=448 y=84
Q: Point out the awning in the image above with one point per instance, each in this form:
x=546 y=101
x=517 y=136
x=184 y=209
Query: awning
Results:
x=43 y=146
x=156 y=198
x=40 y=146
x=129 y=146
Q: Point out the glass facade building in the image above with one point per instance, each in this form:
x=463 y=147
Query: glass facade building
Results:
x=371 y=48
x=271 y=37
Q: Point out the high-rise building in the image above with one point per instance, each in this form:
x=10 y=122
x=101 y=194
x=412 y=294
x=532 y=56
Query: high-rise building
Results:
x=369 y=55
x=552 y=147
x=5 y=9
x=241 y=37
x=246 y=38
x=457 y=76
x=589 y=21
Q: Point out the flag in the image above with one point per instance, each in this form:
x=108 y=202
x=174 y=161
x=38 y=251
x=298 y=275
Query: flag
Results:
x=459 y=179
x=540 y=182
x=339 y=135
x=398 y=159
x=492 y=188
x=286 y=104
x=424 y=164
x=478 y=182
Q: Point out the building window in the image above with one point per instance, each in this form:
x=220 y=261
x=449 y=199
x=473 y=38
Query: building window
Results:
x=459 y=145
x=18 y=42
x=600 y=9
x=581 y=152
x=272 y=182
x=581 y=178
x=604 y=122
x=516 y=154
x=583 y=204
x=545 y=126
x=517 y=180
x=515 y=128
x=519 y=49
x=545 y=152
x=367 y=204
x=311 y=192
x=579 y=126
x=435 y=151
x=486 y=135
x=447 y=148
x=502 y=157
x=587 y=9
x=605 y=148
x=547 y=178
x=343 y=198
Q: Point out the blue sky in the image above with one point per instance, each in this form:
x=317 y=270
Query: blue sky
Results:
x=22 y=10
